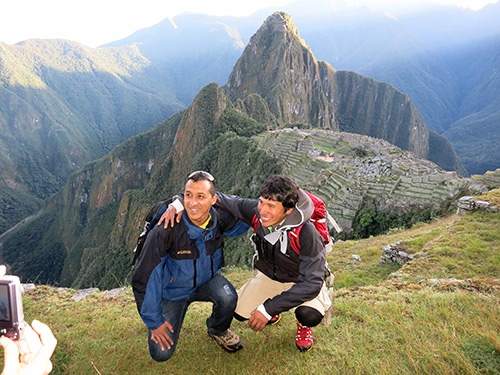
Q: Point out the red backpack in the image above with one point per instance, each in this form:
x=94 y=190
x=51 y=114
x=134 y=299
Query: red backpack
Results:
x=318 y=218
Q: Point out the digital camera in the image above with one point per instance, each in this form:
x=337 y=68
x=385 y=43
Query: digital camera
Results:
x=11 y=307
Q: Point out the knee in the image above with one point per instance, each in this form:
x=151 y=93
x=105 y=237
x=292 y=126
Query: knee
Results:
x=228 y=298
x=157 y=353
x=161 y=355
x=308 y=316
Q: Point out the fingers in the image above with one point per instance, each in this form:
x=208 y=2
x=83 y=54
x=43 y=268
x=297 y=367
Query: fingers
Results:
x=156 y=341
x=161 y=337
x=30 y=341
x=47 y=338
x=169 y=327
x=11 y=356
x=257 y=321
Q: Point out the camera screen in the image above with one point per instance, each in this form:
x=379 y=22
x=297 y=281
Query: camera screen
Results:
x=4 y=304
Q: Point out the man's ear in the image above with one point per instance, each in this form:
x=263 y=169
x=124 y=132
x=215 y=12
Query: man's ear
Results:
x=289 y=211
x=214 y=199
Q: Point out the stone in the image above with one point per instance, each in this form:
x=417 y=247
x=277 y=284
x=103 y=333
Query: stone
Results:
x=115 y=292
x=81 y=294
x=393 y=253
x=28 y=287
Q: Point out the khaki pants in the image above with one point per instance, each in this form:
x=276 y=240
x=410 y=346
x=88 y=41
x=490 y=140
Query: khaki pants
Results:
x=260 y=287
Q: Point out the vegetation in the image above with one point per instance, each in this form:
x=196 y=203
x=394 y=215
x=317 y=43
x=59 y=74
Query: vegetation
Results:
x=15 y=205
x=64 y=105
x=35 y=258
x=386 y=319
x=239 y=123
x=371 y=222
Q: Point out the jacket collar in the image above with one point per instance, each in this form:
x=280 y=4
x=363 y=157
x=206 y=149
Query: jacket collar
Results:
x=195 y=231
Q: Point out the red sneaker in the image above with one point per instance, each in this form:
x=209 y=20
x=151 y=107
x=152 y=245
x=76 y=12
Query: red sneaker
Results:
x=304 y=339
x=274 y=320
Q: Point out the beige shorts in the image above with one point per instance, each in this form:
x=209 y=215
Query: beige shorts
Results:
x=260 y=287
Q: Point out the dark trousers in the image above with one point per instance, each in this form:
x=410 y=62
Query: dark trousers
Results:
x=217 y=290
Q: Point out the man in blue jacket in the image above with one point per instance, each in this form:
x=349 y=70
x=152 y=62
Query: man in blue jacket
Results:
x=168 y=278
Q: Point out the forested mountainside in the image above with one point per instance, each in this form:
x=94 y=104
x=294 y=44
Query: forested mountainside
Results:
x=86 y=232
x=63 y=105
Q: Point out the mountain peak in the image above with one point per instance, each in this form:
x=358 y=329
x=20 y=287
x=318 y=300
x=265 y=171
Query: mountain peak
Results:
x=279 y=66
x=281 y=22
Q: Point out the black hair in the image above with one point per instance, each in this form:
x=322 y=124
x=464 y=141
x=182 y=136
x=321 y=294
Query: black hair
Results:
x=203 y=176
x=282 y=189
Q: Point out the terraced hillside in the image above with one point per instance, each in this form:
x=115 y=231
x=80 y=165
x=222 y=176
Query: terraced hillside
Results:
x=347 y=170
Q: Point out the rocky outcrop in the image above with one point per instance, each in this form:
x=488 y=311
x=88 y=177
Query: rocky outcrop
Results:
x=469 y=204
x=395 y=253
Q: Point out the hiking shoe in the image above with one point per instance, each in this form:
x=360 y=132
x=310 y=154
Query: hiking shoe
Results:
x=274 y=320
x=304 y=339
x=229 y=341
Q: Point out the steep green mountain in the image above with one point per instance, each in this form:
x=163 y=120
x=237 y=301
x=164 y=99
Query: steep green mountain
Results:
x=62 y=105
x=278 y=65
x=52 y=91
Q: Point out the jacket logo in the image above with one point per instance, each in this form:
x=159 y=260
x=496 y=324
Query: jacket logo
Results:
x=183 y=252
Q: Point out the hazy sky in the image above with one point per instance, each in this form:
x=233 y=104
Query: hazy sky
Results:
x=96 y=22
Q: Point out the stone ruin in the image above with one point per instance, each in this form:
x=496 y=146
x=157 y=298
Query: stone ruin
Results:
x=395 y=253
x=347 y=170
x=467 y=204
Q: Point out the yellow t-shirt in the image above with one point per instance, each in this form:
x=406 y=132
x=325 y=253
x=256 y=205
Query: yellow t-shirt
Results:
x=204 y=225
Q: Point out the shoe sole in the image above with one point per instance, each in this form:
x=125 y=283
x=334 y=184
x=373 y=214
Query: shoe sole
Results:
x=303 y=349
x=229 y=350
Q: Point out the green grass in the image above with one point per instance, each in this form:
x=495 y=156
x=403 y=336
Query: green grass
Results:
x=493 y=196
x=386 y=319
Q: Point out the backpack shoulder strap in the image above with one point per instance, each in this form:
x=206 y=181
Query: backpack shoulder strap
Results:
x=255 y=222
x=171 y=237
x=293 y=236
x=333 y=222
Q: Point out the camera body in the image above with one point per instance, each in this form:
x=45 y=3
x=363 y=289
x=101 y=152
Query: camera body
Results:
x=11 y=307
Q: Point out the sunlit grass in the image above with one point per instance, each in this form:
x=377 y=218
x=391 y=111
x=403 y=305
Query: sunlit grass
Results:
x=386 y=319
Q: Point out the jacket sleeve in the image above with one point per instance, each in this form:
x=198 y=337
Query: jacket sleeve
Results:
x=241 y=208
x=148 y=276
x=230 y=225
x=312 y=272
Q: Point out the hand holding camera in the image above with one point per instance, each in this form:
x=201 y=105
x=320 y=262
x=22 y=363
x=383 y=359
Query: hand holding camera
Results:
x=27 y=349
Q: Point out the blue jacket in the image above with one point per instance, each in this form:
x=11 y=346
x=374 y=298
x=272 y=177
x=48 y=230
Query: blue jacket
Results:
x=175 y=272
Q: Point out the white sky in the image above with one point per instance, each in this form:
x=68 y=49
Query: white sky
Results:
x=96 y=22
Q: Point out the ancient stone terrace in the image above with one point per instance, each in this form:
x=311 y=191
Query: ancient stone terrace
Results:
x=348 y=169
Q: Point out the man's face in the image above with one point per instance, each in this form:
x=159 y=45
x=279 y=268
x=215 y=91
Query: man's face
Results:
x=271 y=212
x=198 y=200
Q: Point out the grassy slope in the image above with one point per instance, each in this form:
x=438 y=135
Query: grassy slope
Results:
x=386 y=319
